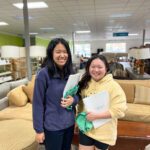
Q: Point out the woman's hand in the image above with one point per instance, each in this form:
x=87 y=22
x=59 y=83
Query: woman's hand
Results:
x=40 y=137
x=67 y=101
x=92 y=116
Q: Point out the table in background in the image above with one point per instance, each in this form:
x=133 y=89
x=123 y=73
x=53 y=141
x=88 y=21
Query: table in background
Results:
x=132 y=136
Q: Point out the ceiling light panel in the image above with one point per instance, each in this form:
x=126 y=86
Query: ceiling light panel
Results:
x=3 y=23
x=133 y=34
x=47 y=28
x=33 y=33
x=86 y=31
x=32 y=5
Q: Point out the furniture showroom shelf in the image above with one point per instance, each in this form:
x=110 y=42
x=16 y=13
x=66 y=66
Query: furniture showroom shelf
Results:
x=4 y=64
x=5 y=73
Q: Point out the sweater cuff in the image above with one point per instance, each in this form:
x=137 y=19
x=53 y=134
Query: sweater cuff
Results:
x=39 y=131
x=76 y=99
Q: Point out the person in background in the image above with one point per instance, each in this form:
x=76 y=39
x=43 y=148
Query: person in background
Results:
x=53 y=123
x=95 y=80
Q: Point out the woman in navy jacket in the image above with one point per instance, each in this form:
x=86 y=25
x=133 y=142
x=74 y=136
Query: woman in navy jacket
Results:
x=53 y=123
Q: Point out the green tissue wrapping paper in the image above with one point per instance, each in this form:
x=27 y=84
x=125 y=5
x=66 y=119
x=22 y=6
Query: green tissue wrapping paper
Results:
x=72 y=92
x=83 y=124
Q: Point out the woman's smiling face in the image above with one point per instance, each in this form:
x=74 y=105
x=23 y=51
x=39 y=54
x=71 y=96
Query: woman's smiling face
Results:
x=60 y=55
x=97 y=69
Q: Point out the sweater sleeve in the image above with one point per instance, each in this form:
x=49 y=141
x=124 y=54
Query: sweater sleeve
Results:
x=38 y=104
x=118 y=102
x=76 y=99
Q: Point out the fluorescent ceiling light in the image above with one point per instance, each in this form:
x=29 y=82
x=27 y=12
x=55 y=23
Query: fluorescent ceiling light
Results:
x=47 y=28
x=120 y=15
x=32 y=5
x=61 y=35
x=33 y=33
x=114 y=27
x=3 y=23
x=86 y=31
x=133 y=34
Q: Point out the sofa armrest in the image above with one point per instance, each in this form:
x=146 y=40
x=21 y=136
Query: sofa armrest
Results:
x=3 y=103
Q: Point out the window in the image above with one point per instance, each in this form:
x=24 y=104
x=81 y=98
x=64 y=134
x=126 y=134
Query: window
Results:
x=83 y=50
x=116 y=47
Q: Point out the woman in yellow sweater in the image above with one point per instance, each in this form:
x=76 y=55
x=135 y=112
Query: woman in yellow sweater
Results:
x=95 y=80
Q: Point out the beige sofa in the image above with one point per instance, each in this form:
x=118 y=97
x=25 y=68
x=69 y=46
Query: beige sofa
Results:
x=16 y=119
x=138 y=99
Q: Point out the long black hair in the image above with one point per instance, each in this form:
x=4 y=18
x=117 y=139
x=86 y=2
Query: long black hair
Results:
x=86 y=76
x=49 y=61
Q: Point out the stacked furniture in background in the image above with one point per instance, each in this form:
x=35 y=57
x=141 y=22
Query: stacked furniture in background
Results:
x=19 y=69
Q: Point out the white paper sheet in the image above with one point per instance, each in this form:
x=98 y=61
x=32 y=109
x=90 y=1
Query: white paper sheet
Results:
x=97 y=103
x=72 y=81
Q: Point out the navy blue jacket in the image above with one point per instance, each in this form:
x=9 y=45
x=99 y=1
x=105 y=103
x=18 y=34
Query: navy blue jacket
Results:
x=47 y=111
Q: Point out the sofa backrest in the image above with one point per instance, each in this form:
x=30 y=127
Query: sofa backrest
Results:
x=4 y=89
x=16 y=83
x=129 y=87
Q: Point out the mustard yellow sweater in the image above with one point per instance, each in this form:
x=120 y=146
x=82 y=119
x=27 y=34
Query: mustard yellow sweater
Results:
x=107 y=133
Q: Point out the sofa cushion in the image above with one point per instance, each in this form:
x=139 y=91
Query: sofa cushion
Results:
x=29 y=90
x=17 y=134
x=142 y=95
x=17 y=97
x=137 y=112
x=13 y=112
x=129 y=90
x=4 y=89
